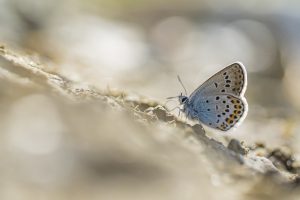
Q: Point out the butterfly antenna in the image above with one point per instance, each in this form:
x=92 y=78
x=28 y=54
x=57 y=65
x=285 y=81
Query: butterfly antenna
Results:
x=185 y=91
x=172 y=97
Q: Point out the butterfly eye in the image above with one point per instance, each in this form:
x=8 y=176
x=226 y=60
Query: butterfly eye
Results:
x=183 y=99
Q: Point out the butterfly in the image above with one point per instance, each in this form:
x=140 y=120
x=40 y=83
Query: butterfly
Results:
x=219 y=102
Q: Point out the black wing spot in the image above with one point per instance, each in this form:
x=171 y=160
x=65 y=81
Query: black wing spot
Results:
x=217 y=107
x=208 y=109
x=228 y=81
x=226 y=77
x=217 y=98
x=227 y=106
x=227 y=85
x=216 y=84
x=223 y=90
x=224 y=73
x=227 y=110
x=219 y=115
x=207 y=101
x=224 y=101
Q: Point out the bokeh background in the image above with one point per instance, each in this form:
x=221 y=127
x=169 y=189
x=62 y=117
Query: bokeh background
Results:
x=139 y=47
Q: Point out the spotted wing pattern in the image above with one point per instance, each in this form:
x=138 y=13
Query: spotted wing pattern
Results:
x=219 y=102
x=221 y=112
x=230 y=80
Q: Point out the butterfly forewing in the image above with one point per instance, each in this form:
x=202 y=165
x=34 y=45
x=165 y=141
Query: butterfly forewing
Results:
x=230 y=80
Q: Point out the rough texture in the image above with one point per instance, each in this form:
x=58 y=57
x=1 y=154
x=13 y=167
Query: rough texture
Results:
x=145 y=143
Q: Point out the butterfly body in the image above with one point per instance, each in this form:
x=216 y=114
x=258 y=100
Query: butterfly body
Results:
x=219 y=102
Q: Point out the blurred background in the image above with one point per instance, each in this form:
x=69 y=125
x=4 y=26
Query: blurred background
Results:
x=140 y=47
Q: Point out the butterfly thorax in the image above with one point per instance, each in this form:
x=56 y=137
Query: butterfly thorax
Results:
x=187 y=109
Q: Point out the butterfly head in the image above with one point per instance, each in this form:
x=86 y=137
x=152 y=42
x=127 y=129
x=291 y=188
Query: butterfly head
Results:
x=182 y=99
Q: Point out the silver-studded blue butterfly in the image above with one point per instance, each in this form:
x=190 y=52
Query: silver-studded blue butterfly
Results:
x=219 y=102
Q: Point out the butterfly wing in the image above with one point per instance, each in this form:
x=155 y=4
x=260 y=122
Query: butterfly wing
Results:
x=220 y=111
x=230 y=80
x=219 y=102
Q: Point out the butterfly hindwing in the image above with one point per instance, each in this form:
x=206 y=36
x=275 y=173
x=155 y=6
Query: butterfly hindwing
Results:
x=221 y=111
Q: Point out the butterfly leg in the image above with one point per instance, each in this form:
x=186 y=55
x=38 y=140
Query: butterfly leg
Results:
x=179 y=112
x=174 y=109
x=186 y=117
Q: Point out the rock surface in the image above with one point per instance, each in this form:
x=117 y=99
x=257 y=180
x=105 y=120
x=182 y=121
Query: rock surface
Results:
x=65 y=140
